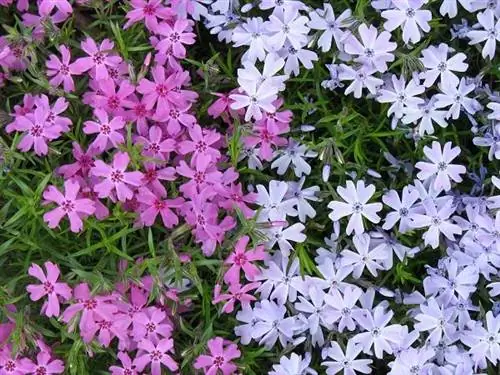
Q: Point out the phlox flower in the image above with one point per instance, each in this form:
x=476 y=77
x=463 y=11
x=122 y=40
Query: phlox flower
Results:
x=98 y=59
x=437 y=63
x=174 y=37
x=148 y=11
x=280 y=280
x=222 y=353
x=355 y=205
x=440 y=170
x=401 y=95
x=68 y=205
x=402 y=208
x=251 y=33
x=156 y=356
x=346 y=361
x=176 y=117
x=156 y=146
x=49 y=287
x=495 y=107
x=266 y=135
x=302 y=196
x=84 y=160
x=489 y=31
x=151 y=324
x=274 y=205
x=427 y=113
x=364 y=256
x=449 y=7
x=47 y=6
x=111 y=99
x=200 y=145
x=241 y=259
x=344 y=309
x=235 y=292
x=316 y=313
x=361 y=78
x=286 y=24
x=255 y=98
x=282 y=236
x=293 y=155
x=325 y=20
x=294 y=365
x=234 y=198
x=115 y=179
x=413 y=359
x=61 y=70
x=484 y=342
x=296 y=57
x=410 y=17
x=373 y=50
x=202 y=175
x=155 y=205
x=109 y=132
x=44 y=365
x=128 y=366
x=272 y=324
x=456 y=98
x=436 y=319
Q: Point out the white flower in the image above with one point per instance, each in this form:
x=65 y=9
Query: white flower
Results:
x=401 y=95
x=280 y=281
x=333 y=277
x=272 y=65
x=251 y=33
x=363 y=257
x=273 y=325
x=274 y=207
x=427 y=114
x=283 y=237
x=346 y=362
x=495 y=107
x=324 y=19
x=245 y=331
x=286 y=24
x=294 y=154
x=294 y=365
x=456 y=97
x=435 y=319
x=402 y=208
x=449 y=7
x=490 y=33
x=255 y=99
x=302 y=196
x=344 y=307
x=355 y=205
x=410 y=17
x=361 y=78
x=295 y=56
x=436 y=60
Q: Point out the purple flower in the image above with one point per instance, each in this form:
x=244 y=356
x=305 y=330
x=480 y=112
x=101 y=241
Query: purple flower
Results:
x=361 y=78
x=490 y=33
x=346 y=361
x=402 y=208
x=98 y=58
x=436 y=60
x=410 y=17
x=401 y=95
x=436 y=319
x=456 y=98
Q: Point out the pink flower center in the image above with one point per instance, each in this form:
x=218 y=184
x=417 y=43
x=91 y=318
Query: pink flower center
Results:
x=150 y=175
x=90 y=304
x=86 y=161
x=161 y=90
x=218 y=361
x=236 y=198
x=68 y=205
x=201 y=147
x=150 y=327
x=240 y=259
x=36 y=130
x=159 y=205
x=174 y=37
x=140 y=110
x=265 y=136
x=156 y=355
x=149 y=10
x=174 y=113
x=104 y=324
x=199 y=177
x=48 y=287
x=10 y=366
x=105 y=129
x=113 y=102
x=154 y=147
x=113 y=72
x=201 y=220
x=116 y=176
x=98 y=58
x=64 y=70
x=41 y=371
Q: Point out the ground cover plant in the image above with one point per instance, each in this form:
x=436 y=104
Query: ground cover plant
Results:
x=271 y=187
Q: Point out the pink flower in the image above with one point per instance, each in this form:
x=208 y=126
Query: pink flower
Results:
x=54 y=111
x=175 y=37
x=200 y=144
x=105 y=328
x=204 y=175
x=155 y=205
x=98 y=58
x=161 y=92
x=69 y=206
x=115 y=177
x=156 y=355
x=220 y=358
x=46 y=6
x=153 y=175
x=37 y=131
x=267 y=135
x=108 y=132
x=138 y=113
x=61 y=71
x=49 y=287
x=242 y=259
x=176 y=117
x=151 y=324
x=111 y=100
x=155 y=147
x=236 y=199
x=84 y=161
x=236 y=292
x=93 y=309
x=43 y=366
x=149 y=11
x=128 y=367
x=219 y=106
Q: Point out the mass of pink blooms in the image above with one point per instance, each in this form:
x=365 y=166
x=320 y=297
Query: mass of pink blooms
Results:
x=143 y=137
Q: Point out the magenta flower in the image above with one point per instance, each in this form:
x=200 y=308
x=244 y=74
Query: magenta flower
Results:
x=177 y=117
x=84 y=161
x=240 y=258
x=98 y=58
x=204 y=175
x=44 y=365
x=37 y=131
x=49 y=287
x=69 y=205
x=128 y=367
x=47 y=6
x=138 y=113
x=156 y=355
x=155 y=147
x=156 y=205
x=115 y=177
x=200 y=144
x=149 y=11
x=53 y=112
x=175 y=37
x=234 y=198
x=266 y=135
x=236 y=292
x=151 y=324
x=112 y=100
x=108 y=132
x=93 y=309
x=220 y=106
x=220 y=358
x=106 y=329
x=161 y=92
x=153 y=176
x=61 y=70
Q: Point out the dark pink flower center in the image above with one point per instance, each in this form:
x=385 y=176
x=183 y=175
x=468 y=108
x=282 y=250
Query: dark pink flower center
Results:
x=68 y=205
x=149 y=10
x=150 y=175
x=51 y=117
x=64 y=70
x=41 y=370
x=140 y=110
x=240 y=259
x=48 y=287
x=104 y=324
x=10 y=366
x=116 y=176
x=105 y=129
x=128 y=371
x=174 y=37
x=98 y=58
x=159 y=205
x=90 y=304
x=113 y=102
x=154 y=147
x=156 y=355
x=113 y=72
x=174 y=113
x=218 y=361
x=201 y=220
x=36 y=130
x=86 y=161
x=150 y=327
x=161 y=89
x=235 y=197
x=201 y=146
